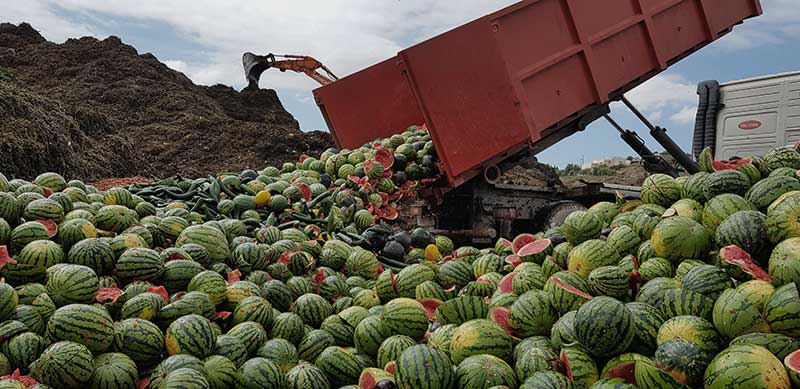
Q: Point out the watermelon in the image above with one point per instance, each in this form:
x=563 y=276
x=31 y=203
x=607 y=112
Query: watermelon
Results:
x=479 y=336
x=748 y=230
x=405 y=316
x=764 y=192
x=85 y=324
x=485 y=371
x=260 y=373
x=779 y=345
x=252 y=335
x=782 y=310
x=783 y=217
x=739 y=265
x=232 y=348
x=190 y=334
x=286 y=325
x=67 y=283
x=114 y=218
x=41 y=253
x=533 y=314
x=685 y=207
x=563 y=331
x=567 y=290
x=306 y=375
x=139 y=263
x=581 y=226
x=114 y=370
x=210 y=238
x=782 y=157
x=679 y=237
x=756 y=291
x=52 y=181
x=706 y=160
x=436 y=365
x=746 y=366
x=590 y=255
x=646 y=322
x=604 y=326
x=708 y=280
x=280 y=351
x=611 y=281
x=680 y=302
x=24 y=348
x=579 y=367
x=547 y=379
x=725 y=181
x=693 y=329
x=734 y=315
x=683 y=360
x=312 y=308
x=784 y=262
x=660 y=189
x=392 y=347
x=64 y=364
x=139 y=339
x=655 y=267
x=339 y=365
x=221 y=372
x=624 y=240
x=720 y=207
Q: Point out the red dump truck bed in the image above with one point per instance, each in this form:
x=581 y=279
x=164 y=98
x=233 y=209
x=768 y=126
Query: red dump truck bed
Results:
x=504 y=82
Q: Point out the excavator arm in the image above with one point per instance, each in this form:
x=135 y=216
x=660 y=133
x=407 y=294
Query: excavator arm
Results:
x=254 y=65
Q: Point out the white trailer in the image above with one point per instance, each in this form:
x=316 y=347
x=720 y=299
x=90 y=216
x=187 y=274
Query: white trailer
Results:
x=748 y=117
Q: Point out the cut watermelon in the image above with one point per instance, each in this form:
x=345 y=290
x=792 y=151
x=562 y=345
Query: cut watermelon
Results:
x=234 y=276
x=5 y=258
x=729 y=165
x=390 y=367
x=567 y=369
x=108 y=295
x=535 y=247
x=735 y=256
x=221 y=315
x=513 y=260
x=626 y=371
x=569 y=288
x=430 y=305
x=500 y=316
x=17 y=375
x=792 y=362
x=52 y=227
x=159 y=290
x=506 y=283
x=521 y=240
x=385 y=158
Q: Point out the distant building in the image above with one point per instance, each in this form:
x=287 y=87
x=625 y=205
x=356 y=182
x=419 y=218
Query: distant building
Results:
x=610 y=162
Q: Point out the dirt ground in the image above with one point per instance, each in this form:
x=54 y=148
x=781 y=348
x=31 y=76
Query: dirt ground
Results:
x=92 y=109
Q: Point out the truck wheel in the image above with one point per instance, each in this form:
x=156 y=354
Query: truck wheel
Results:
x=559 y=212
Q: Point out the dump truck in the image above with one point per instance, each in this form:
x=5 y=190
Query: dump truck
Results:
x=496 y=91
x=747 y=117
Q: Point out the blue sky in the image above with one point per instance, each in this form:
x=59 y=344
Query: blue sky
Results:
x=205 y=39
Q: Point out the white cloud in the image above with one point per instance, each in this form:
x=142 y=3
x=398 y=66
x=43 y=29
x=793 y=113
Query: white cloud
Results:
x=665 y=95
x=346 y=35
x=686 y=115
x=177 y=65
x=43 y=18
x=779 y=23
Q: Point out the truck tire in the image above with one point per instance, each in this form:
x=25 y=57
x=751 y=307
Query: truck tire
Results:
x=559 y=211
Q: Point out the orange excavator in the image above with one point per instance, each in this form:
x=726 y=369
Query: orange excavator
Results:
x=254 y=65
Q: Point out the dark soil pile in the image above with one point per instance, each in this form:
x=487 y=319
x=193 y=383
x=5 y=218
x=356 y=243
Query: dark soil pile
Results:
x=92 y=108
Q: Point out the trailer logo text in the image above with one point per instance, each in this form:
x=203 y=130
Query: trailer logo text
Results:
x=749 y=124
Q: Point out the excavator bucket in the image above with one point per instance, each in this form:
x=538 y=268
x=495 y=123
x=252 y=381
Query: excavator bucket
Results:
x=254 y=65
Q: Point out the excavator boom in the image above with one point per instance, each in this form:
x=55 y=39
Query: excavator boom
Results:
x=254 y=65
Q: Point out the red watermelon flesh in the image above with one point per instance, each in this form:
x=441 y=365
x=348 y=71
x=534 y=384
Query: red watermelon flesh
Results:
x=736 y=256
x=729 y=165
x=4 y=257
x=570 y=288
x=52 y=227
x=513 y=260
x=385 y=158
x=626 y=371
x=567 y=369
x=367 y=380
x=506 y=283
x=792 y=361
x=430 y=305
x=521 y=240
x=159 y=290
x=535 y=247
x=390 y=367
x=505 y=242
x=108 y=295
x=500 y=316
x=234 y=276
x=17 y=376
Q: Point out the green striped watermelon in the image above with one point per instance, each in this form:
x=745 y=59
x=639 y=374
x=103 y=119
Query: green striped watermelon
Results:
x=708 y=280
x=679 y=237
x=604 y=326
x=479 y=336
x=288 y=326
x=720 y=207
x=734 y=315
x=782 y=310
x=660 y=189
x=67 y=283
x=312 y=308
x=405 y=316
x=533 y=314
x=314 y=342
x=114 y=218
x=280 y=351
x=746 y=367
x=438 y=370
x=24 y=348
x=581 y=226
x=693 y=329
x=392 y=347
x=252 y=335
x=232 y=348
x=221 y=372
x=190 y=334
x=140 y=340
x=782 y=157
x=339 y=365
x=579 y=367
x=63 y=364
x=485 y=371
x=89 y=325
x=783 y=217
x=306 y=375
x=112 y=371
x=748 y=231
x=681 y=302
x=139 y=264
x=764 y=192
x=725 y=181
x=590 y=255
x=210 y=238
x=624 y=240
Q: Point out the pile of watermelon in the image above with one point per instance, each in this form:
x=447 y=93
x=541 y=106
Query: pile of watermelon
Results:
x=285 y=278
